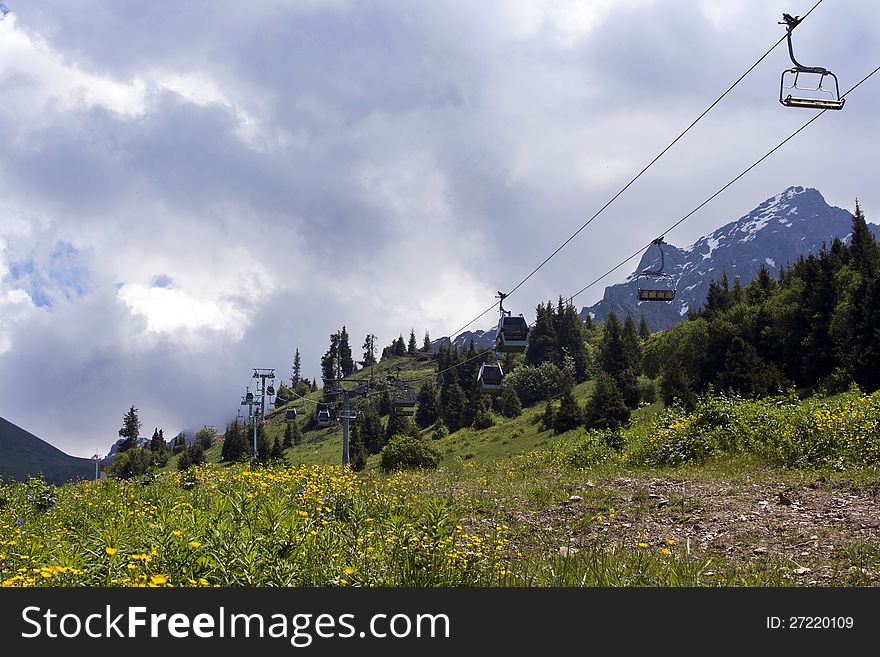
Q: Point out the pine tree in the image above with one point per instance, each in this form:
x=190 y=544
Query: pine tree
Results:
x=346 y=362
x=632 y=345
x=483 y=415
x=370 y=431
x=399 y=425
x=863 y=249
x=264 y=449
x=234 y=442
x=288 y=436
x=296 y=370
x=644 y=331
x=411 y=346
x=676 y=385
x=426 y=343
x=157 y=442
x=426 y=411
x=131 y=427
x=605 y=408
x=179 y=443
x=330 y=360
x=569 y=415
x=455 y=406
x=369 y=348
x=613 y=356
x=357 y=451
x=510 y=405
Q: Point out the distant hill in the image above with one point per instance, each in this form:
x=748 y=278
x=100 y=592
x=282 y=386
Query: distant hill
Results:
x=22 y=454
x=775 y=234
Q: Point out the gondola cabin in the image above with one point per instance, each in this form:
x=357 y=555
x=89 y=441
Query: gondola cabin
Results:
x=512 y=336
x=290 y=415
x=323 y=418
x=490 y=377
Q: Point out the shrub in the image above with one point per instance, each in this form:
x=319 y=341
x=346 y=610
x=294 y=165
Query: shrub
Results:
x=131 y=463
x=408 y=453
x=534 y=383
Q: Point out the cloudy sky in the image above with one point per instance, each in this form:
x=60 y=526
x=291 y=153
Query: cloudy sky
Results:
x=189 y=190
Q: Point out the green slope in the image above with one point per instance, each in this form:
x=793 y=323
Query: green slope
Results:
x=22 y=454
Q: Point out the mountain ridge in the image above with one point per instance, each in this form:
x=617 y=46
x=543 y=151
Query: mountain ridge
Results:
x=23 y=455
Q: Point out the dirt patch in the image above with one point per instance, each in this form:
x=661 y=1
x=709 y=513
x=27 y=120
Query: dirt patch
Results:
x=820 y=529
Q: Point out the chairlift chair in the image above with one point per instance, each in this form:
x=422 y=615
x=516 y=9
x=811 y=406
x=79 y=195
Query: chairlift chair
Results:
x=491 y=377
x=655 y=284
x=813 y=96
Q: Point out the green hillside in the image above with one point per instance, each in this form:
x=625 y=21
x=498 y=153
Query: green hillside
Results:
x=22 y=455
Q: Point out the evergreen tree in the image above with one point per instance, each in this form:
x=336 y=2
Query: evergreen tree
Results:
x=369 y=348
x=264 y=449
x=346 y=362
x=370 y=431
x=157 y=442
x=399 y=346
x=644 y=331
x=863 y=250
x=179 y=443
x=296 y=370
x=747 y=373
x=676 y=385
x=483 y=415
x=330 y=360
x=277 y=451
x=605 y=408
x=234 y=442
x=385 y=402
x=632 y=345
x=131 y=426
x=455 y=406
x=426 y=343
x=426 y=411
x=761 y=287
x=613 y=356
x=399 y=425
x=569 y=415
x=543 y=343
x=510 y=405
x=411 y=346
x=357 y=451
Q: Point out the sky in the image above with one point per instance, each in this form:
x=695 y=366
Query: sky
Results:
x=192 y=190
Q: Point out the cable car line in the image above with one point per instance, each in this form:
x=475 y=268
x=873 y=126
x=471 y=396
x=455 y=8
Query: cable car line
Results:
x=640 y=173
x=722 y=189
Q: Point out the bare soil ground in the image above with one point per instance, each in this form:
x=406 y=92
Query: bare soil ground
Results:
x=826 y=532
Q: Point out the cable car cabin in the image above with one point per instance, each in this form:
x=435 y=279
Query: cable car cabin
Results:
x=323 y=418
x=249 y=398
x=655 y=287
x=270 y=390
x=290 y=415
x=491 y=377
x=512 y=336
x=815 y=95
